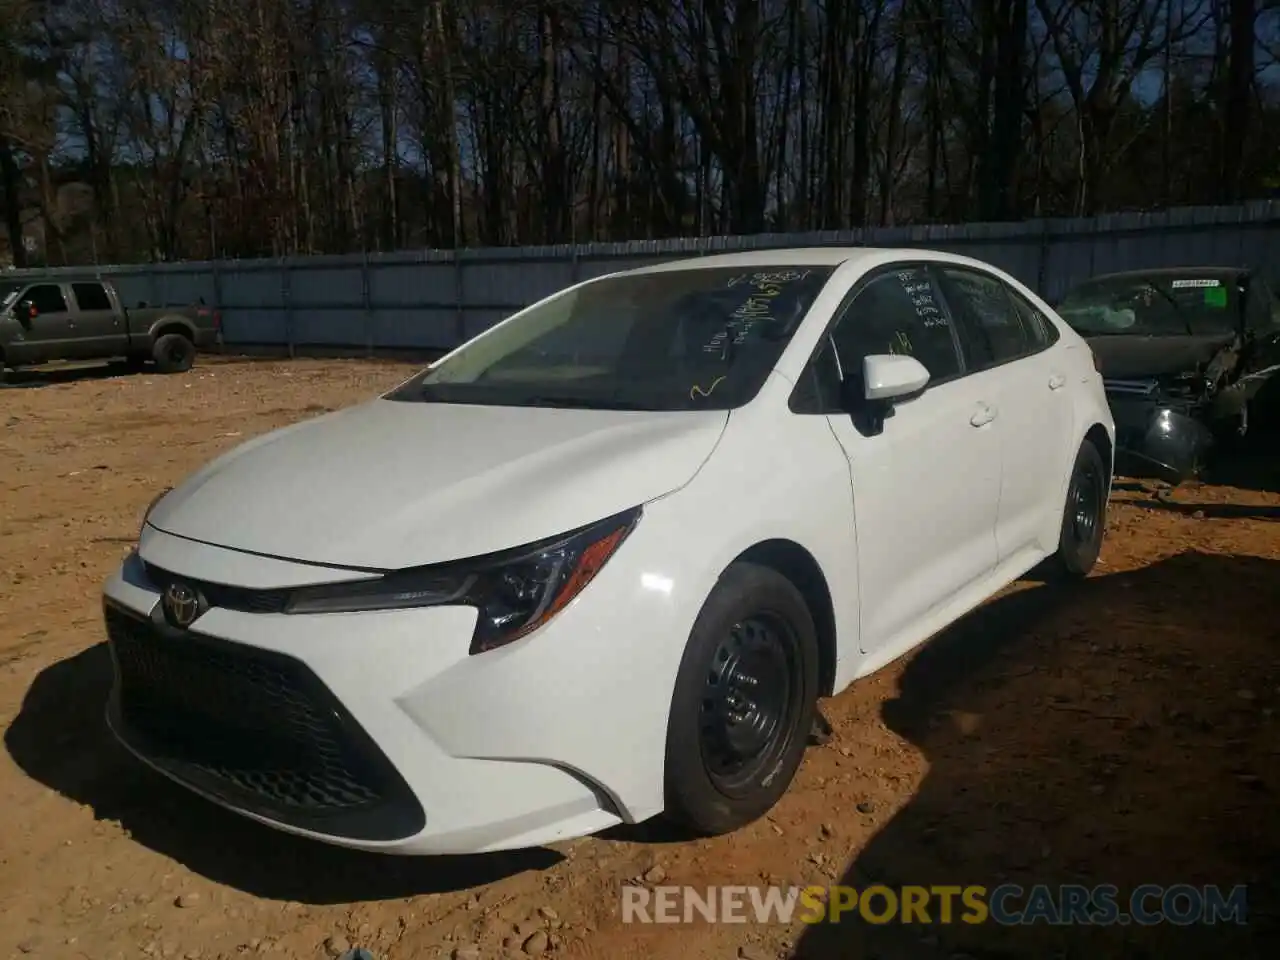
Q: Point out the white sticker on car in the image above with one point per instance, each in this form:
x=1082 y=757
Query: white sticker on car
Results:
x=1185 y=284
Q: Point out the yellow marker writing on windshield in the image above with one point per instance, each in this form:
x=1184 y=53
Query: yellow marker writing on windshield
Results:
x=696 y=391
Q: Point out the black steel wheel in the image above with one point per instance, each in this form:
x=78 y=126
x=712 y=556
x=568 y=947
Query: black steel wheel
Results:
x=1087 y=493
x=744 y=701
x=750 y=694
x=1084 y=519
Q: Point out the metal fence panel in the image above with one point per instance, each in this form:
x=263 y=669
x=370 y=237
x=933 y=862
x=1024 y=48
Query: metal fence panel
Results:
x=436 y=299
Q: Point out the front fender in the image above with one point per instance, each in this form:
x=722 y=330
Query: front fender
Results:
x=760 y=485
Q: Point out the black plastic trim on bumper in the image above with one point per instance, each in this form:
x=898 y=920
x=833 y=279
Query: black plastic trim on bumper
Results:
x=1168 y=446
x=1136 y=466
x=254 y=729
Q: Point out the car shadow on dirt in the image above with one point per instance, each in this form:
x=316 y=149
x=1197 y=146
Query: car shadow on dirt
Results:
x=60 y=739
x=1120 y=731
x=1222 y=511
x=1254 y=468
x=57 y=374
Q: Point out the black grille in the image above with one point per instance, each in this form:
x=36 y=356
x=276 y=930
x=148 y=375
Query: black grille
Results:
x=221 y=595
x=254 y=728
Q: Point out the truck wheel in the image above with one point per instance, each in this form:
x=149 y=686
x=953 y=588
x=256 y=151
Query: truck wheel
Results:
x=173 y=353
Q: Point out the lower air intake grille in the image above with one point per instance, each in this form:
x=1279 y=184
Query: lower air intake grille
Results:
x=255 y=729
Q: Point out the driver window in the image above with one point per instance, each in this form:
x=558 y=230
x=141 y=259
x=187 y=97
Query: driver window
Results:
x=898 y=312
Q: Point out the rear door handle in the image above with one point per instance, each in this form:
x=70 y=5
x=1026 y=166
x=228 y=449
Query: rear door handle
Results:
x=983 y=415
x=1057 y=381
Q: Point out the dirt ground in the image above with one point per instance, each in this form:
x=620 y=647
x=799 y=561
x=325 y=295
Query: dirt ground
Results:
x=1123 y=731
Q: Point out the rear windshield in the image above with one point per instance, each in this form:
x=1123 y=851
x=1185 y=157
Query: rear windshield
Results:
x=1153 y=306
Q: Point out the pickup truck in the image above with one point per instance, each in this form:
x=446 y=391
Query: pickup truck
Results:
x=65 y=318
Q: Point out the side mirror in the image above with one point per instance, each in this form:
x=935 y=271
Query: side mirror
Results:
x=890 y=377
x=26 y=312
x=886 y=379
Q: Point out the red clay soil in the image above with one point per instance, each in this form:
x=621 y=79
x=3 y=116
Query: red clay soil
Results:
x=1120 y=732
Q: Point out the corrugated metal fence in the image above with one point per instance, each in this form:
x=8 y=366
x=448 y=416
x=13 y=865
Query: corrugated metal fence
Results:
x=435 y=299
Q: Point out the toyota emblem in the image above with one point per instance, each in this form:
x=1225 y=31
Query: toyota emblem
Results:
x=181 y=604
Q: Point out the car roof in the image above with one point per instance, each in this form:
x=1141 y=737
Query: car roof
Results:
x=801 y=257
x=1171 y=272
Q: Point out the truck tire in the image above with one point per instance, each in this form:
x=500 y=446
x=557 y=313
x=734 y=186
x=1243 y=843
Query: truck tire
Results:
x=173 y=353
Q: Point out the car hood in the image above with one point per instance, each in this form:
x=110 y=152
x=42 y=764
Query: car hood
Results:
x=388 y=484
x=1123 y=357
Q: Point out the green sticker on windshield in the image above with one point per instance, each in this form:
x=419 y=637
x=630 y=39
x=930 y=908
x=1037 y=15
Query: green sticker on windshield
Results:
x=1215 y=296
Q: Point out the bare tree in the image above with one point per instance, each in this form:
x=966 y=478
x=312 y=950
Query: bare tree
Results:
x=175 y=129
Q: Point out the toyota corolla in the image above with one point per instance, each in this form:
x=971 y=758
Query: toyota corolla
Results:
x=601 y=562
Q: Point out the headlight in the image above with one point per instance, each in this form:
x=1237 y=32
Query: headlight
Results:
x=515 y=591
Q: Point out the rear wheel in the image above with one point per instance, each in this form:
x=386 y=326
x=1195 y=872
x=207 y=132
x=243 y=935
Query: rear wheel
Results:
x=173 y=353
x=744 y=702
x=1084 y=517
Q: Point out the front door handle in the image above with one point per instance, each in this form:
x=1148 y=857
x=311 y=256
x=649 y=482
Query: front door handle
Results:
x=1057 y=382
x=983 y=415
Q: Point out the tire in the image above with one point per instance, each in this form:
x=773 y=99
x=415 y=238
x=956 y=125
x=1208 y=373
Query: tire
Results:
x=754 y=634
x=1084 y=516
x=173 y=353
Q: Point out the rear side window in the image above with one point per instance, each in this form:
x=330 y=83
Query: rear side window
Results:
x=992 y=329
x=47 y=298
x=90 y=296
x=1041 y=331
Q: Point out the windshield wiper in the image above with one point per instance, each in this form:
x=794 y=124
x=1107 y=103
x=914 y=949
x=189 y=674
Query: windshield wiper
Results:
x=580 y=403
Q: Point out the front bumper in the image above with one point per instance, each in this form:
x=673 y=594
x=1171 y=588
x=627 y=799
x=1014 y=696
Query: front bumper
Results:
x=1159 y=443
x=379 y=731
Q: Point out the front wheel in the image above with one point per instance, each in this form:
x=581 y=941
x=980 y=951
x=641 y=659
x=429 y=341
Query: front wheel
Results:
x=743 y=704
x=1084 y=517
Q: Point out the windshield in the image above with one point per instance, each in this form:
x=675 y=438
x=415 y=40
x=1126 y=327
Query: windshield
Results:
x=695 y=339
x=1153 y=306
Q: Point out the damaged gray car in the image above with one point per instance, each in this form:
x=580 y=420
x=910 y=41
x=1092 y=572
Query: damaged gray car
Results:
x=1188 y=358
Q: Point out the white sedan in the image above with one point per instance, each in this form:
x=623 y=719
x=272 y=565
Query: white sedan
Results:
x=601 y=562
